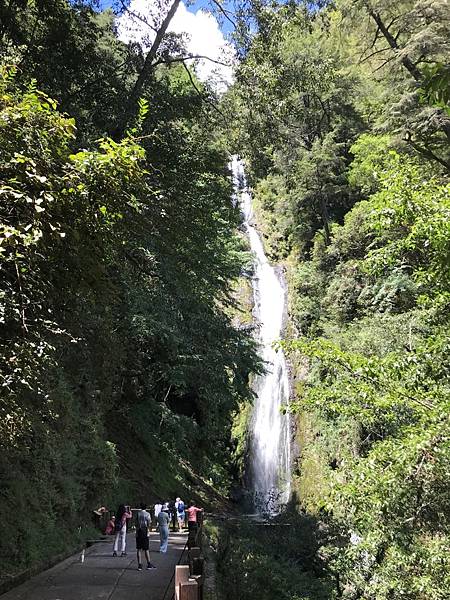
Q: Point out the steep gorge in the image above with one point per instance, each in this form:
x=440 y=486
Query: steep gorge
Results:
x=124 y=373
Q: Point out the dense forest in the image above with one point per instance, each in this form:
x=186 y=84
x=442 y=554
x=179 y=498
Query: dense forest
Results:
x=126 y=345
x=344 y=119
x=120 y=361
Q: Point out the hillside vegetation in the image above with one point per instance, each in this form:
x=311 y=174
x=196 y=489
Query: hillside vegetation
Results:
x=126 y=336
x=119 y=254
x=345 y=121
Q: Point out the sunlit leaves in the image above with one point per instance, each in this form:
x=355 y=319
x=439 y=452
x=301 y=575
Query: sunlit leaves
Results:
x=411 y=216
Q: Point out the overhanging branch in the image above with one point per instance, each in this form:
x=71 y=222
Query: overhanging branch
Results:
x=200 y=93
x=424 y=151
x=224 y=12
x=182 y=59
x=137 y=16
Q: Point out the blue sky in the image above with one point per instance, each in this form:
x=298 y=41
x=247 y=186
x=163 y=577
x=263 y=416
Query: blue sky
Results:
x=194 y=7
x=203 y=36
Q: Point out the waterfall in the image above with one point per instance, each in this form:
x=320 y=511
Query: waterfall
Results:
x=270 y=430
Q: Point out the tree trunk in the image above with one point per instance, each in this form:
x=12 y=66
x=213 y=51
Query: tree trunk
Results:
x=406 y=61
x=131 y=103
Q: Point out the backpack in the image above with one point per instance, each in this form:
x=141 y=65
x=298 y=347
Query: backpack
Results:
x=180 y=507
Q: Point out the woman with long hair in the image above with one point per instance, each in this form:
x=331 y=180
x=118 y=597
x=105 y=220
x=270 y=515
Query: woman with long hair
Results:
x=123 y=514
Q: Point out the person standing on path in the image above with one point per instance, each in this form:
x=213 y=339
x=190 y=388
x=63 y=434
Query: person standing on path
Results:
x=111 y=526
x=163 y=524
x=157 y=509
x=123 y=513
x=192 y=517
x=179 y=506
x=173 y=514
x=143 y=525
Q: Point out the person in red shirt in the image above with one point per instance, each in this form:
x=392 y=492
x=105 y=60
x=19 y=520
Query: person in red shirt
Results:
x=111 y=526
x=191 y=513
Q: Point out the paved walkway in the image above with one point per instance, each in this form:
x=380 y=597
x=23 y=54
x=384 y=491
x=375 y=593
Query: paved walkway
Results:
x=103 y=577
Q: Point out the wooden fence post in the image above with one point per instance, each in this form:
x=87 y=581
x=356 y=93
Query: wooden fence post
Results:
x=188 y=590
x=181 y=576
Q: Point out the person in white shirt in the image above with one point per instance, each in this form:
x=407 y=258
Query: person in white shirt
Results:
x=157 y=509
x=163 y=523
x=179 y=509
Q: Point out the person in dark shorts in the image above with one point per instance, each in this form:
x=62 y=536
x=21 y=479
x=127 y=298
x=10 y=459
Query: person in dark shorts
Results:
x=143 y=524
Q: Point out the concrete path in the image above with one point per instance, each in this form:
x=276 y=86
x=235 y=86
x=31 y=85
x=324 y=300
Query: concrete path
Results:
x=104 y=577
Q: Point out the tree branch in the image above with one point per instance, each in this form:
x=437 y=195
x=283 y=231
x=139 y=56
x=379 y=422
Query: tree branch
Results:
x=393 y=21
x=392 y=41
x=224 y=12
x=101 y=79
x=425 y=151
x=137 y=16
x=377 y=33
x=175 y=59
x=144 y=75
x=386 y=62
x=200 y=93
x=361 y=60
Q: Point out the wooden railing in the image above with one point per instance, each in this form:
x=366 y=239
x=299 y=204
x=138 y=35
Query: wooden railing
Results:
x=189 y=578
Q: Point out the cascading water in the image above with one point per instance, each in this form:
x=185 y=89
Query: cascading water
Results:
x=270 y=439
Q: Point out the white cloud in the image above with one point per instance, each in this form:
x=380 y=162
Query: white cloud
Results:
x=204 y=37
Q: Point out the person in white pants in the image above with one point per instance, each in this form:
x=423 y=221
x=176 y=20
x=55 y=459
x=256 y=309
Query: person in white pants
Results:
x=157 y=510
x=123 y=514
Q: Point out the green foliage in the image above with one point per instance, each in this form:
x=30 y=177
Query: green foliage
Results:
x=391 y=252
x=411 y=216
x=386 y=374
x=436 y=86
x=306 y=287
x=55 y=459
x=406 y=45
x=371 y=155
x=273 y=207
x=115 y=249
x=121 y=344
x=346 y=134
x=240 y=436
x=74 y=55
x=280 y=559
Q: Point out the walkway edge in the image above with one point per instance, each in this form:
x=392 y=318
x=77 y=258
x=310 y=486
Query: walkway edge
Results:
x=12 y=582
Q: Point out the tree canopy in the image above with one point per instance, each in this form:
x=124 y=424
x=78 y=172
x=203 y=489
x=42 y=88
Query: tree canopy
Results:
x=343 y=119
x=124 y=344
